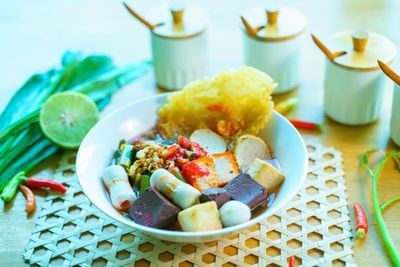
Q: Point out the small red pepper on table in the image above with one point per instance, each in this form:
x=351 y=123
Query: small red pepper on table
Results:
x=361 y=221
x=306 y=125
x=30 y=205
x=292 y=261
x=36 y=183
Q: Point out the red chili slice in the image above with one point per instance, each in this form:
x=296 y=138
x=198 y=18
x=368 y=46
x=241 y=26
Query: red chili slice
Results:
x=183 y=142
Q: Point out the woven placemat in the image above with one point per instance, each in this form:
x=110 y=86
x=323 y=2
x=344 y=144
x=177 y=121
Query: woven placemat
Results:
x=314 y=227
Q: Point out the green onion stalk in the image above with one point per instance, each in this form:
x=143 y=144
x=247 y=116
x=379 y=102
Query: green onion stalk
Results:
x=378 y=209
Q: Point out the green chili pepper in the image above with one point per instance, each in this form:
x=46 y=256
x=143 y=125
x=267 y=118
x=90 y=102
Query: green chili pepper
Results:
x=11 y=189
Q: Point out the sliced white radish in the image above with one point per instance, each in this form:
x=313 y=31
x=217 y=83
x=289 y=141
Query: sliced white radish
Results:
x=209 y=141
x=248 y=148
x=121 y=192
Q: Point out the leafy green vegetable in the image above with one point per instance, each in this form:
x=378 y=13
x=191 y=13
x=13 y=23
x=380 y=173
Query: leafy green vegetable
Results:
x=87 y=69
x=387 y=240
x=22 y=145
x=28 y=97
x=70 y=57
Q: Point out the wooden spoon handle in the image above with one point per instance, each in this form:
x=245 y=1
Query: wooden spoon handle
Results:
x=323 y=48
x=248 y=27
x=389 y=72
x=139 y=17
x=339 y=53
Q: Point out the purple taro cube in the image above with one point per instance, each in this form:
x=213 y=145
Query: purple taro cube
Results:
x=153 y=209
x=219 y=195
x=245 y=189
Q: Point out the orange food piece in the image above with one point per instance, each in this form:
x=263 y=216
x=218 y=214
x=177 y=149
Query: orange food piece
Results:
x=200 y=173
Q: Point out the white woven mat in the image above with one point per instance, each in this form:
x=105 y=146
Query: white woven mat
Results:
x=314 y=227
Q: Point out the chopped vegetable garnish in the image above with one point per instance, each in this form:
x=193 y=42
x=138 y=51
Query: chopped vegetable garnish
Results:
x=170 y=151
x=30 y=205
x=144 y=183
x=361 y=221
x=125 y=158
x=183 y=141
x=306 y=125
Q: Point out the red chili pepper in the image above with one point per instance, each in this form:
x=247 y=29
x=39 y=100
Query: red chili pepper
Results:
x=35 y=183
x=361 y=221
x=292 y=261
x=183 y=142
x=306 y=125
x=30 y=205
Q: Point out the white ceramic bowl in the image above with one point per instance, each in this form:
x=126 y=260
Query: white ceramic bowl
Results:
x=100 y=143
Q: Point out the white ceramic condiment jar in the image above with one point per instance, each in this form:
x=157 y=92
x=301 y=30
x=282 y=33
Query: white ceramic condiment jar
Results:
x=354 y=84
x=395 y=119
x=276 y=47
x=179 y=45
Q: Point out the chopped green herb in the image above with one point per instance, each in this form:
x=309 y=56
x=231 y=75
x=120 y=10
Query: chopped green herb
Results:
x=144 y=183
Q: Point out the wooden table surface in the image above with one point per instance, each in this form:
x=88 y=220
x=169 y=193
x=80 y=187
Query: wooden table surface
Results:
x=34 y=34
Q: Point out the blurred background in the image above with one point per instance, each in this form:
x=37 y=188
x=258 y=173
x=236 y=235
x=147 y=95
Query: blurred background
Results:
x=34 y=34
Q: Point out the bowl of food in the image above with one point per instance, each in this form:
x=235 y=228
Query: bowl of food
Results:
x=195 y=165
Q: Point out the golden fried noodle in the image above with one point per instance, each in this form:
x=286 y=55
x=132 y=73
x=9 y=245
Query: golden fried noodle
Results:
x=231 y=103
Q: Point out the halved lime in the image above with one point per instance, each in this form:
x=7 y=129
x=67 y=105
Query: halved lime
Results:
x=66 y=118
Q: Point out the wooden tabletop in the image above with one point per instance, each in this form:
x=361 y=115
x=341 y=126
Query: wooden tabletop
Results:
x=35 y=34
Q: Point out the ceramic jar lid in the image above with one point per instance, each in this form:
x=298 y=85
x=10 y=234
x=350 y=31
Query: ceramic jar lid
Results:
x=178 y=22
x=362 y=48
x=275 y=23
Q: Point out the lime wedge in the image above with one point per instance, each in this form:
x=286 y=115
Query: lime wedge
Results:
x=66 y=118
